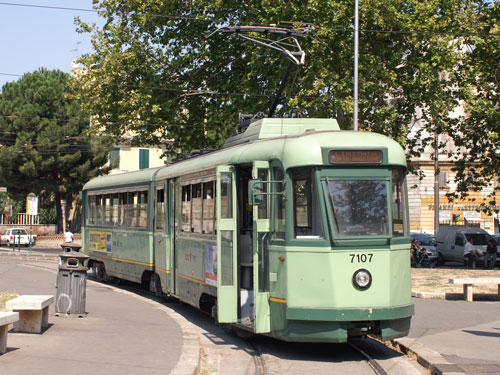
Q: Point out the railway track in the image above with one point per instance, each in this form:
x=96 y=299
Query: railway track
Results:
x=375 y=366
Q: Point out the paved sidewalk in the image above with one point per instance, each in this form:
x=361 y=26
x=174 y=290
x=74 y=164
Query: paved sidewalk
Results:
x=129 y=334
x=455 y=337
x=122 y=333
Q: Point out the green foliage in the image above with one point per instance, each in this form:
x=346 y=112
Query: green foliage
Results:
x=161 y=70
x=47 y=146
x=47 y=215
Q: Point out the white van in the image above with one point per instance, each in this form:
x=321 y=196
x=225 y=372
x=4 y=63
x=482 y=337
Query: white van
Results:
x=450 y=242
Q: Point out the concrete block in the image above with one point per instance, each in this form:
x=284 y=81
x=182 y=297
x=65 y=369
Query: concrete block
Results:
x=33 y=312
x=6 y=318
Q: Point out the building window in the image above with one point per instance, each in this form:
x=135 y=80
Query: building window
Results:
x=143 y=158
x=114 y=158
x=443 y=179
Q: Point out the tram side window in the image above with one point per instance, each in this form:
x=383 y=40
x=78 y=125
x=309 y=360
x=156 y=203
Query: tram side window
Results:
x=399 y=204
x=197 y=213
x=143 y=209
x=115 y=211
x=208 y=207
x=132 y=209
x=279 y=204
x=98 y=210
x=307 y=214
x=160 y=209
x=123 y=222
x=198 y=208
x=186 y=209
x=92 y=212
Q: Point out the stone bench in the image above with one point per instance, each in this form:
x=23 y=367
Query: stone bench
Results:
x=6 y=318
x=468 y=282
x=33 y=312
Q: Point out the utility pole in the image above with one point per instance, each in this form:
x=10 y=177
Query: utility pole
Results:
x=436 y=182
x=356 y=44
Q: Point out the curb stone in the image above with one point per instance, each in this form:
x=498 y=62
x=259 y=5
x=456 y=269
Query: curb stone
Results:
x=428 y=358
x=428 y=295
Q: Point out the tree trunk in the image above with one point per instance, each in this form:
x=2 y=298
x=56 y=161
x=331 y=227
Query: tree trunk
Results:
x=59 y=228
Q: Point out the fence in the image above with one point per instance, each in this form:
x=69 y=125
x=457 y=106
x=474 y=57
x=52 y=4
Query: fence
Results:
x=20 y=219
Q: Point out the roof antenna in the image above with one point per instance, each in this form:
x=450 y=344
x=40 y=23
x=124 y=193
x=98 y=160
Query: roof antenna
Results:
x=288 y=45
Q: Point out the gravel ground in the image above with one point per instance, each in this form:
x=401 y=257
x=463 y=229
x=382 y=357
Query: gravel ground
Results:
x=436 y=279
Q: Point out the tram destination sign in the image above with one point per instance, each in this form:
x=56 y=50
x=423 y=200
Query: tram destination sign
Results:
x=355 y=156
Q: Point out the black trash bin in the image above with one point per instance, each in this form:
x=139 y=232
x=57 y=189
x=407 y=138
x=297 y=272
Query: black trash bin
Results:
x=71 y=284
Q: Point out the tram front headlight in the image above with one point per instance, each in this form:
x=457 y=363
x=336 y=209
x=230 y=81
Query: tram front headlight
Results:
x=362 y=279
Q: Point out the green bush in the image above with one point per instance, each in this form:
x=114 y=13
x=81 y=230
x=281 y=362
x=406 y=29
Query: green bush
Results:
x=47 y=215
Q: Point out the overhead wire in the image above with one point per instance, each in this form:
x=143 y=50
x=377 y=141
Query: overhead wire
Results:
x=223 y=21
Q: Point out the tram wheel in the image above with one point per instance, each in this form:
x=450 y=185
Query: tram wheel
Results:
x=100 y=272
x=155 y=285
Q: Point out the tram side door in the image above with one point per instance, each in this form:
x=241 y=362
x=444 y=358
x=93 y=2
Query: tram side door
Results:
x=160 y=245
x=260 y=241
x=227 y=240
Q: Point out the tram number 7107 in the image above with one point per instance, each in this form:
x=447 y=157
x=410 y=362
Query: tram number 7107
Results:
x=361 y=258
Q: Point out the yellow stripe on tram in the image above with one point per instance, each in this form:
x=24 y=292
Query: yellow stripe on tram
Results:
x=279 y=300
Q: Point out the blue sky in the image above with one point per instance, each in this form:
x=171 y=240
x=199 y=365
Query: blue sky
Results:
x=31 y=38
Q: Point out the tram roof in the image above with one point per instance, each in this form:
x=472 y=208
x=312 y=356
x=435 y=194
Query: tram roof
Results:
x=295 y=142
x=121 y=179
x=303 y=147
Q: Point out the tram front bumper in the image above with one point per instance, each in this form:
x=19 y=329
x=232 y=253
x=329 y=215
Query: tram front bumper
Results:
x=337 y=325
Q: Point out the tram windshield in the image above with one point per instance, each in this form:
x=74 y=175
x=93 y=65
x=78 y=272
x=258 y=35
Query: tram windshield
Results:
x=359 y=207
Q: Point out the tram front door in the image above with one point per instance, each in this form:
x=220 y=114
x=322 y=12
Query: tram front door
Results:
x=227 y=240
x=261 y=228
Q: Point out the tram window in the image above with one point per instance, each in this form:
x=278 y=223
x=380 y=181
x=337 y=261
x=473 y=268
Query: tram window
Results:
x=359 y=207
x=91 y=213
x=123 y=210
x=115 y=212
x=107 y=209
x=279 y=204
x=307 y=214
x=143 y=209
x=226 y=196
x=196 y=208
x=208 y=207
x=132 y=209
x=186 y=209
x=98 y=211
x=399 y=204
x=263 y=175
x=160 y=209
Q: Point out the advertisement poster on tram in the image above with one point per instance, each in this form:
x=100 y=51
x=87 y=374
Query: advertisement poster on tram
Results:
x=211 y=265
x=100 y=242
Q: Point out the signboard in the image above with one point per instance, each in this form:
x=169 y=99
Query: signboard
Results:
x=355 y=156
x=3 y=189
x=32 y=204
x=472 y=216
x=444 y=215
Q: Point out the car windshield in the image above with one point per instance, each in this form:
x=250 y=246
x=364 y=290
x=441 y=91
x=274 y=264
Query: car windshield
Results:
x=359 y=207
x=18 y=232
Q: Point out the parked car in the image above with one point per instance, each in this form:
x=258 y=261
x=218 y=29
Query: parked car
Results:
x=17 y=236
x=427 y=241
x=450 y=242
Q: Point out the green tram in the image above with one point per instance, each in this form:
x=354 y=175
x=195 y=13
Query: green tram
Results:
x=294 y=229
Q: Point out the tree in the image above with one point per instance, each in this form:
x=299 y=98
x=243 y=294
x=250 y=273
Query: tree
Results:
x=46 y=146
x=161 y=69
x=479 y=131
